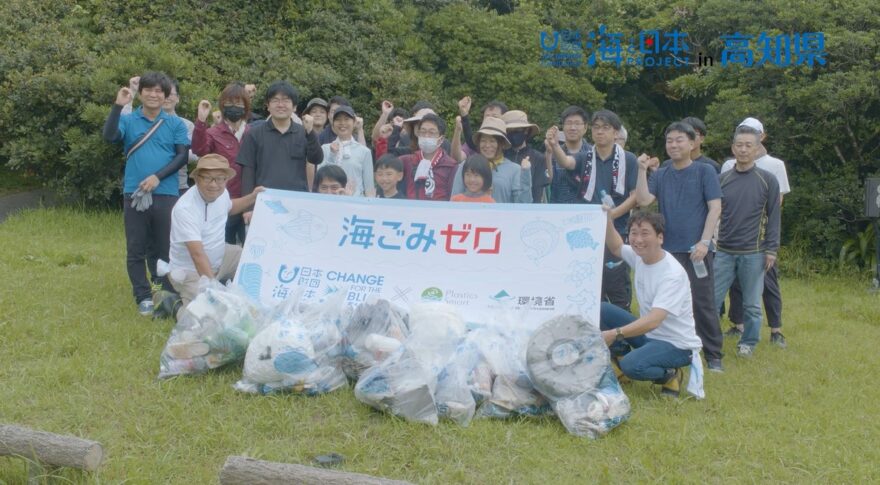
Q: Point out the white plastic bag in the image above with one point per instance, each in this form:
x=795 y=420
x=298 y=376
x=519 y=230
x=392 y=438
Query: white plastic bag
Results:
x=213 y=330
x=299 y=350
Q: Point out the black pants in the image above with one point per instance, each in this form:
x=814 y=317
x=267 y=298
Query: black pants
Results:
x=703 y=296
x=616 y=288
x=147 y=237
x=772 y=300
x=235 y=232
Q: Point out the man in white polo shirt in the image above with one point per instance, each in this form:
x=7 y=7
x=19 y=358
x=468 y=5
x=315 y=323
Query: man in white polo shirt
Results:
x=772 y=296
x=198 y=228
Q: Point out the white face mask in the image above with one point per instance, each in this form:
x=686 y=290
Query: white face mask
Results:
x=428 y=145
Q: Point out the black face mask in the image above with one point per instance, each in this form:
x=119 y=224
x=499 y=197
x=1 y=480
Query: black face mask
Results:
x=233 y=113
x=517 y=138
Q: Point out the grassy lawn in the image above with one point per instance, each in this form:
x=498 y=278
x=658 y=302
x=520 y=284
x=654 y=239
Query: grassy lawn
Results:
x=75 y=358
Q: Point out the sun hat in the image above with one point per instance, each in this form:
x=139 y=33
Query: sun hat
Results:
x=516 y=119
x=212 y=161
x=494 y=127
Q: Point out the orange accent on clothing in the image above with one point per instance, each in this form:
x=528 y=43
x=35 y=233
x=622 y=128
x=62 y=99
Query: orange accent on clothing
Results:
x=467 y=198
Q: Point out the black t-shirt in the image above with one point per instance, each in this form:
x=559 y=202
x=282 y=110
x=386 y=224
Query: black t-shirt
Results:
x=539 y=170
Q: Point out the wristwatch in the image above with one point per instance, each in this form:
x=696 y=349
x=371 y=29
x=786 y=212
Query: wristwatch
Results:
x=618 y=335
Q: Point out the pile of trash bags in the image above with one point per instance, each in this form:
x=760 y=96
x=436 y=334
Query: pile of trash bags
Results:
x=423 y=365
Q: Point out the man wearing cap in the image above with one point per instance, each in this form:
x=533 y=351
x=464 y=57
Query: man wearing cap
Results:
x=519 y=132
x=748 y=234
x=351 y=156
x=198 y=228
x=317 y=109
x=772 y=296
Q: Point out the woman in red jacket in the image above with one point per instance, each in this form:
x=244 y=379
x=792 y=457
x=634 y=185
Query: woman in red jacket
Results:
x=224 y=139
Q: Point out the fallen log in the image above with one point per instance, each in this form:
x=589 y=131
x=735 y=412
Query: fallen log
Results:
x=239 y=470
x=50 y=448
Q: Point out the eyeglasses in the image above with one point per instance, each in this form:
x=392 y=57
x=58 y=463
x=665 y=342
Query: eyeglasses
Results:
x=573 y=124
x=205 y=179
x=602 y=127
x=280 y=101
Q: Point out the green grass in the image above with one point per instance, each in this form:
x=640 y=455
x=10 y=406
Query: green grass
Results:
x=75 y=358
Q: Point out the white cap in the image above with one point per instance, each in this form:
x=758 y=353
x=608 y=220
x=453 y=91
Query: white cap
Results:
x=753 y=123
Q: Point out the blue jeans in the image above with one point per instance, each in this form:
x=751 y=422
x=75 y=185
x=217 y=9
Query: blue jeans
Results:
x=749 y=270
x=644 y=358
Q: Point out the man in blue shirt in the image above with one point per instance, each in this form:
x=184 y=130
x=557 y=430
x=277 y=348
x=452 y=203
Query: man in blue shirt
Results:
x=156 y=146
x=689 y=197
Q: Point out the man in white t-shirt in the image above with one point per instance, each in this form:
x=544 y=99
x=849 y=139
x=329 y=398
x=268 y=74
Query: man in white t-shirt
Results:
x=198 y=228
x=656 y=345
x=772 y=296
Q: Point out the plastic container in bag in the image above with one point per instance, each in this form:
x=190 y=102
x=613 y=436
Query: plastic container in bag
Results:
x=376 y=329
x=214 y=330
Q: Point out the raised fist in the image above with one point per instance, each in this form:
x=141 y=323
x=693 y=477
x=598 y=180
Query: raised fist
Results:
x=123 y=97
x=458 y=125
x=217 y=116
x=250 y=90
x=134 y=83
x=308 y=122
x=526 y=164
x=387 y=107
x=464 y=105
x=334 y=147
x=386 y=130
x=204 y=110
x=397 y=121
x=553 y=134
x=358 y=123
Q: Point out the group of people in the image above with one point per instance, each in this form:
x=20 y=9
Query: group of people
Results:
x=717 y=226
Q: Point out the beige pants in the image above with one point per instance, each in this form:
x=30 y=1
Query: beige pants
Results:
x=188 y=287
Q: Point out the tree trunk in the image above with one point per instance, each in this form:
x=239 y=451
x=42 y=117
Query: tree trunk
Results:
x=239 y=470
x=50 y=448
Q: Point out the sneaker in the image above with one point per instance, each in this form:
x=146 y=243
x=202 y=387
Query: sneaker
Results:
x=777 y=339
x=145 y=308
x=672 y=387
x=714 y=365
x=166 y=304
x=621 y=377
x=746 y=351
x=733 y=332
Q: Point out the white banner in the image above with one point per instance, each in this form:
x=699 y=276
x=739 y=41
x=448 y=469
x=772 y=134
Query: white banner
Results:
x=540 y=260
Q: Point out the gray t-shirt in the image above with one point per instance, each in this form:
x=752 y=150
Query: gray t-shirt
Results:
x=749 y=212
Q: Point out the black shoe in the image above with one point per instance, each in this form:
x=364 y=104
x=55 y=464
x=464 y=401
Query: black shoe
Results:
x=733 y=332
x=166 y=304
x=777 y=339
x=714 y=365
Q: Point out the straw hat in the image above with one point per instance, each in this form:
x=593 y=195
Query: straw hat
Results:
x=212 y=161
x=516 y=119
x=494 y=127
